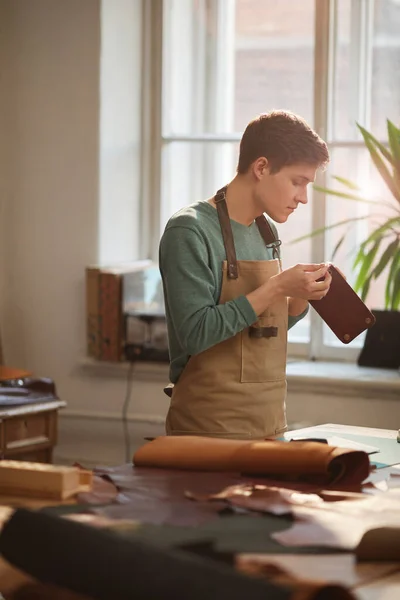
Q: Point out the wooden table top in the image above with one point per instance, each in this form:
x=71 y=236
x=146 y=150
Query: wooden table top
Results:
x=367 y=580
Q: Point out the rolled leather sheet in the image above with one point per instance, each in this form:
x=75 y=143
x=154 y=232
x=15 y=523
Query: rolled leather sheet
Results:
x=305 y=461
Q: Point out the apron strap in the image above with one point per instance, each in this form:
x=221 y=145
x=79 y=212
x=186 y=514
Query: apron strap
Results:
x=227 y=235
x=263 y=225
x=267 y=233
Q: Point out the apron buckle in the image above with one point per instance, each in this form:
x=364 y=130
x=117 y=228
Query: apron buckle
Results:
x=263 y=332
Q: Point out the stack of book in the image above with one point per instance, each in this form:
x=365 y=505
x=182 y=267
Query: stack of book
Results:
x=114 y=293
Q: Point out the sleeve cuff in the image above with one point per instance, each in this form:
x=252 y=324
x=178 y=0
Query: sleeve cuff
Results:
x=293 y=320
x=246 y=310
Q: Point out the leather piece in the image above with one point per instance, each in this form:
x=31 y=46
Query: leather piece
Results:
x=117 y=568
x=227 y=234
x=342 y=310
x=103 y=491
x=307 y=461
x=158 y=495
x=302 y=588
x=268 y=235
x=263 y=332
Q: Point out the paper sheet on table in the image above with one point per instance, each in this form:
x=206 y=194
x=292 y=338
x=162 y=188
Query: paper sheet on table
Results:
x=389 y=475
x=341 y=524
x=340 y=442
x=343 y=443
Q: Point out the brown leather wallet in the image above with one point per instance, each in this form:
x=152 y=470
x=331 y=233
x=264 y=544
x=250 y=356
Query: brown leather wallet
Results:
x=342 y=310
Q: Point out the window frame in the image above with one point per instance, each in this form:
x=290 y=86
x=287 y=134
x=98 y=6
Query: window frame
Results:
x=155 y=139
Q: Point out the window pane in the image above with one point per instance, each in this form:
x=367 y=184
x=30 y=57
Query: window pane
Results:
x=274 y=58
x=343 y=118
x=198 y=66
x=366 y=68
x=386 y=66
x=193 y=171
x=224 y=62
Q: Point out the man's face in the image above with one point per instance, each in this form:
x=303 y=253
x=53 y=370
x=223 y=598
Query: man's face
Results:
x=279 y=194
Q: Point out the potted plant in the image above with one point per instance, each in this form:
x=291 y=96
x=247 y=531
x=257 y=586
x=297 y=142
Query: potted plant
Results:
x=379 y=253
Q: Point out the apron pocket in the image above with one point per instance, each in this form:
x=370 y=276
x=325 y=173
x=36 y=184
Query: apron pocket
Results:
x=264 y=358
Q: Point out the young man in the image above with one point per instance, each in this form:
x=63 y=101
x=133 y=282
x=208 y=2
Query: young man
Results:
x=228 y=302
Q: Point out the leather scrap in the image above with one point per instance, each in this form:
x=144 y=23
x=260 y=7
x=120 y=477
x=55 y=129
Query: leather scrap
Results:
x=158 y=495
x=302 y=588
x=272 y=499
x=380 y=544
x=261 y=498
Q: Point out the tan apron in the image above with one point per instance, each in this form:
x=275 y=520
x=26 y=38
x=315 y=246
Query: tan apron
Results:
x=237 y=388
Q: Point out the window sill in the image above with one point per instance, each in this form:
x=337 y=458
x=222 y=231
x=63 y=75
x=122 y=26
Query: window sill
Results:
x=328 y=378
x=346 y=379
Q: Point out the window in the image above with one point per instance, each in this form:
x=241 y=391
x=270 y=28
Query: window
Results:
x=334 y=62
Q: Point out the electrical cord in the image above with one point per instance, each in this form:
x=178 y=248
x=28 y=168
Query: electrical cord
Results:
x=125 y=423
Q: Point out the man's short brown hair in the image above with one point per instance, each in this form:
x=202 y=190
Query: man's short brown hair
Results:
x=284 y=139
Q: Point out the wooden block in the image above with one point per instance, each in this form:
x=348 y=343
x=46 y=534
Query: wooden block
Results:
x=19 y=478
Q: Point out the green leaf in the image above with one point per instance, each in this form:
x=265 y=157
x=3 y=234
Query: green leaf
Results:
x=383 y=170
x=327 y=228
x=386 y=256
x=390 y=280
x=366 y=265
x=389 y=224
x=344 y=195
x=347 y=182
x=396 y=291
x=360 y=256
x=368 y=136
x=365 y=288
x=394 y=141
x=338 y=245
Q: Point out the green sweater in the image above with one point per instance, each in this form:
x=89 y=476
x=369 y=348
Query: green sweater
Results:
x=191 y=255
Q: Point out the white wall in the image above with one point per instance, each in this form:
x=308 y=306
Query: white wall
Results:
x=120 y=129
x=4 y=152
x=51 y=208
x=53 y=192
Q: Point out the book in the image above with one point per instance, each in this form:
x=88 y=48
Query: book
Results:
x=104 y=308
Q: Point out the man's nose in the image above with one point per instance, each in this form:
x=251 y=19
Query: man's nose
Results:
x=302 y=197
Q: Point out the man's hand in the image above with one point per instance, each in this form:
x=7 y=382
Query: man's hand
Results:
x=302 y=282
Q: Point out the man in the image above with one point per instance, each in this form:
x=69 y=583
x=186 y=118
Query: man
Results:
x=228 y=302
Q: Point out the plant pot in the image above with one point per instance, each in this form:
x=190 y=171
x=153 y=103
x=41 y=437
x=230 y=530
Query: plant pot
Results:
x=382 y=342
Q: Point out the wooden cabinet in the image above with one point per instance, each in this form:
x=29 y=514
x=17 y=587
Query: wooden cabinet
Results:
x=29 y=432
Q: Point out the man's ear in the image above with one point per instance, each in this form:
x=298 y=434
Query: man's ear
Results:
x=260 y=167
